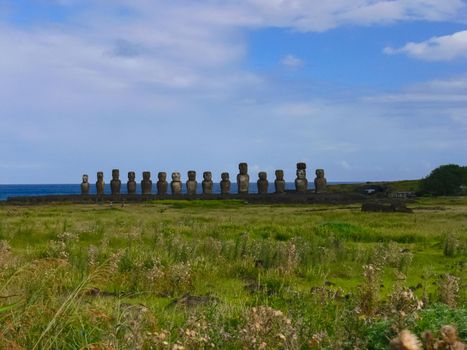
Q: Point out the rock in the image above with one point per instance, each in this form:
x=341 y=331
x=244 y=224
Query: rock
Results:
x=387 y=208
x=193 y=300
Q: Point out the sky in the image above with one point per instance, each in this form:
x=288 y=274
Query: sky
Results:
x=365 y=89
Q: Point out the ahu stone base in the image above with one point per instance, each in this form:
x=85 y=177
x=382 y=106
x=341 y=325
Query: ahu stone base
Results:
x=289 y=197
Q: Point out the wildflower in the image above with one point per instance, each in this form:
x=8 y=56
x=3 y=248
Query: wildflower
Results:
x=67 y=237
x=448 y=289
x=5 y=253
x=405 y=340
x=93 y=253
x=450 y=338
x=267 y=327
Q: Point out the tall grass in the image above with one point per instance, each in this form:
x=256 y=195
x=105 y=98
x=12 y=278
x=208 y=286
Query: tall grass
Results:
x=190 y=275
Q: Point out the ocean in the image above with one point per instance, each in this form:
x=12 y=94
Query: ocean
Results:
x=54 y=189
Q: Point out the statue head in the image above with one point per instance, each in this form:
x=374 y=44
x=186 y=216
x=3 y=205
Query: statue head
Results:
x=207 y=176
x=301 y=174
x=162 y=176
x=301 y=166
x=263 y=175
x=131 y=176
x=115 y=174
x=225 y=176
x=176 y=176
x=320 y=173
x=279 y=175
x=146 y=175
x=85 y=178
x=243 y=168
x=100 y=176
x=191 y=175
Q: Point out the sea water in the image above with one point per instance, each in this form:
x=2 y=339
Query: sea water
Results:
x=57 y=189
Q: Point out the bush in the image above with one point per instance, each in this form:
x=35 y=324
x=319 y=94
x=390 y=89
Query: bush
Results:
x=445 y=180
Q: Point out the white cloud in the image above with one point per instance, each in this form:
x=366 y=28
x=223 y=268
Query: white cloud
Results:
x=438 y=91
x=345 y=164
x=312 y=15
x=440 y=48
x=291 y=61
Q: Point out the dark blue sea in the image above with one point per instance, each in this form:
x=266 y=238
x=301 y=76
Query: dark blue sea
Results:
x=42 y=190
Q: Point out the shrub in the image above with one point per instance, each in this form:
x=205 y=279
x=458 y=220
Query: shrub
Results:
x=445 y=180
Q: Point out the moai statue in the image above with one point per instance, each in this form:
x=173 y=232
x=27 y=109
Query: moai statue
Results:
x=262 y=182
x=100 y=184
x=85 y=185
x=225 y=183
x=146 y=183
x=115 y=183
x=320 y=181
x=131 y=184
x=176 y=184
x=191 y=183
x=301 y=183
x=162 y=184
x=279 y=183
x=207 y=182
x=243 y=179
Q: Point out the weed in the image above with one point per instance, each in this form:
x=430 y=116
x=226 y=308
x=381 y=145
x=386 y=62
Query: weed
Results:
x=448 y=290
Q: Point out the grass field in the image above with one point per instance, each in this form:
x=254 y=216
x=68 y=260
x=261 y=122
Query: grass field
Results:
x=194 y=275
x=395 y=186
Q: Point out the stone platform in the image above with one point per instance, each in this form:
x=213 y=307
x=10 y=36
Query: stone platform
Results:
x=289 y=197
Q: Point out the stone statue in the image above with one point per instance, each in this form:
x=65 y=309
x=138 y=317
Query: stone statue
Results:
x=131 y=184
x=115 y=183
x=100 y=184
x=301 y=183
x=176 y=184
x=279 y=183
x=243 y=179
x=262 y=182
x=146 y=183
x=162 y=184
x=225 y=183
x=191 y=183
x=85 y=185
x=207 y=182
x=320 y=181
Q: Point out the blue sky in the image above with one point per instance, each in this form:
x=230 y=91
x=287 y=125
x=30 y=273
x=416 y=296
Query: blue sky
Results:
x=366 y=89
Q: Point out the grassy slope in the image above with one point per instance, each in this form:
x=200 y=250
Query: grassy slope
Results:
x=243 y=255
x=396 y=186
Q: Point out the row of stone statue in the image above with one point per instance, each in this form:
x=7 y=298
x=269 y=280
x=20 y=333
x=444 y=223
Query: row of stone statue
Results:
x=243 y=182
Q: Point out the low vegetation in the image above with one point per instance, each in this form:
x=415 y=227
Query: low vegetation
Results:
x=445 y=180
x=199 y=275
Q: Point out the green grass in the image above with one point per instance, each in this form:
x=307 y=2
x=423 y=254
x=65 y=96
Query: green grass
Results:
x=100 y=277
